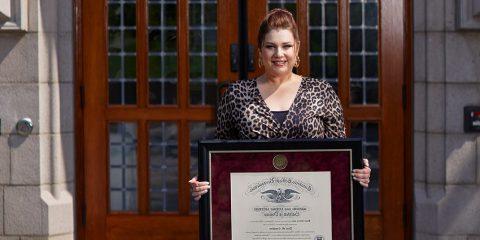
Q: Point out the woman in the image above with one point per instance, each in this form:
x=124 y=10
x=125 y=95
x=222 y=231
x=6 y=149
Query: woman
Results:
x=280 y=103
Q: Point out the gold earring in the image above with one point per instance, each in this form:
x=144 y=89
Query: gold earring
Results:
x=297 y=64
x=260 y=63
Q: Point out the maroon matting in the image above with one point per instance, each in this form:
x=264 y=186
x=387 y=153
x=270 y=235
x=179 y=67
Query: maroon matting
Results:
x=338 y=162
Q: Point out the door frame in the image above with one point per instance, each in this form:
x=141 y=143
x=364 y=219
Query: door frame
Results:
x=79 y=118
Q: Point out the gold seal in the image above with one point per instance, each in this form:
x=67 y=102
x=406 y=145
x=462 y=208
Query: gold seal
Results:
x=280 y=161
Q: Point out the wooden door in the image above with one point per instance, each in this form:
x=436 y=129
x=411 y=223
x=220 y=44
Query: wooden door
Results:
x=358 y=47
x=149 y=71
x=149 y=74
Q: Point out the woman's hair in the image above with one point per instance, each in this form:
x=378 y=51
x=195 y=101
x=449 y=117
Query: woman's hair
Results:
x=277 y=19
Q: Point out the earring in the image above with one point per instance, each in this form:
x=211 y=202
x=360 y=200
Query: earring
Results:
x=297 y=64
x=260 y=63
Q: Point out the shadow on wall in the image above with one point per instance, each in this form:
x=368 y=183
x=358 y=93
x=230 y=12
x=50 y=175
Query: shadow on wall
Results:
x=9 y=41
x=459 y=210
x=453 y=207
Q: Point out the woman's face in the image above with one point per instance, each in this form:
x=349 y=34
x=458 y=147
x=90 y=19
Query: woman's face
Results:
x=279 y=52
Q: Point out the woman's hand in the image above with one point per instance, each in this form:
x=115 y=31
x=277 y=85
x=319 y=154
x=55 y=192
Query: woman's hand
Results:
x=198 y=188
x=362 y=175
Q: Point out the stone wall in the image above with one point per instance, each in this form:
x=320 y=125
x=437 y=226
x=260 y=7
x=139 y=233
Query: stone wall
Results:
x=37 y=171
x=36 y=81
x=446 y=160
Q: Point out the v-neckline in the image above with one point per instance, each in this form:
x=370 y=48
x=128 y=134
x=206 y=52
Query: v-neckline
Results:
x=290 y=108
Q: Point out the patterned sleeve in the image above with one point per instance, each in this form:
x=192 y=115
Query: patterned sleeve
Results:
x=334 y=122
x=225 y=126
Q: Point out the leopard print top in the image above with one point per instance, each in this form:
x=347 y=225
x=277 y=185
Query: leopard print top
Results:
x=315 y=113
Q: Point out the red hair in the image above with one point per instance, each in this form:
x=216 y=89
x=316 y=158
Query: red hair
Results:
x=277 y=19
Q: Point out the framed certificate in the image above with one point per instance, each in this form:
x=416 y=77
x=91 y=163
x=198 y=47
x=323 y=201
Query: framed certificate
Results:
x=281 y=189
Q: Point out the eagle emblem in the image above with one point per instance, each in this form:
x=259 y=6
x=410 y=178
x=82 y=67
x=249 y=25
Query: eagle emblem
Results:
x=280 y=195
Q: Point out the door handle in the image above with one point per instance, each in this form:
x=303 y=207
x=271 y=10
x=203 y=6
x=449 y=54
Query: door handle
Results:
x=234 y=58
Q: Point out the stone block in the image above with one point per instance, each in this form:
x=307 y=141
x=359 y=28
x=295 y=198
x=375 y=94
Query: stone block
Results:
x=435 y=166
x=57 y=158
x=1 y=210
x=419 y=106
x=18 y=57
x=65 y=13
x=48 y=53
x=419 y=57
x=18 y=101
x=25 y=160
x=457 y=97
x=424 y=236
x=427 y=236
x=67 y=108
x=60 y=210
x=48 y=16
x=461 y=150
x=450 y=15
x=435 y=45
x=462 y=57
x=435 y=107
x=58 y=237
x=9 y=238
x=425 y=213
x=419 y=156
x=56 y=108
x=435 y=11
x=65 y=56
x=34 y=211
x=435 y=191
x=56 y=57
x=4 y=161
x=459 y=210
x=24 y=213
x=478 y=161
x=419 y=15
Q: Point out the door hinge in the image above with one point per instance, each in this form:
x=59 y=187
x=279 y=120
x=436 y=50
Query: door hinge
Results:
x=82 y=97
x=84 y=215
x=404 y=96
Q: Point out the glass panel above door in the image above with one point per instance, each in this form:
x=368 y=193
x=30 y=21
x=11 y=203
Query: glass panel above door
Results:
x=364 y=52
x=122 y=80
x=162 y=52
x=290 y=5
x=203 y=52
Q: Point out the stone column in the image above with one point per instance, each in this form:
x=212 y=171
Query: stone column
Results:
x=36 y=81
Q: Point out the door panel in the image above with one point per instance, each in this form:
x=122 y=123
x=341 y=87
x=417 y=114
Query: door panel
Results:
x=342 y=42
x=150 y=79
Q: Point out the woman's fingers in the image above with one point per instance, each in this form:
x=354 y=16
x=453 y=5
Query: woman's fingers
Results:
x=366 y=163
x=362 y=175
x=363 y=182
x=198 y=188
x=201 y=188
x=199 y=193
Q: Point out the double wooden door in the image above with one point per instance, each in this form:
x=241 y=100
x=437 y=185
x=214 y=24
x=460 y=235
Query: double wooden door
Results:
x=148 y=77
